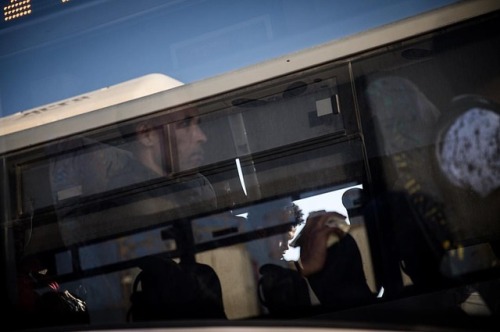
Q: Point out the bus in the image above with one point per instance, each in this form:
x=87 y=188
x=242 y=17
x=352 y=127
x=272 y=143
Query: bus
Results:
x=350 y=185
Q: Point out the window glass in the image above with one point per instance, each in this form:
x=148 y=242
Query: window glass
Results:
x=359 y=190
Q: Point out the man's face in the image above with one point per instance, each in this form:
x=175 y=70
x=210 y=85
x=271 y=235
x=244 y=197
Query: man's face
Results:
x=190 y=139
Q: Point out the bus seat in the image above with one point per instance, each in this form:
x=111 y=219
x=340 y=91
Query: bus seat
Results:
x=468 y=158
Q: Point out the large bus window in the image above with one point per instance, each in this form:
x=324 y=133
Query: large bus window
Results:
x=210 y=184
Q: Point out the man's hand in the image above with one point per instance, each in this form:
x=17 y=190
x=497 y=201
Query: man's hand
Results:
x=314 y=240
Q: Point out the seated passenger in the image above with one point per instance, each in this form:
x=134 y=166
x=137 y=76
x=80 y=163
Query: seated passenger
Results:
x=158 y=157
x=334 y=270
x=171 y=290
x=137 y=196
x=329 y=273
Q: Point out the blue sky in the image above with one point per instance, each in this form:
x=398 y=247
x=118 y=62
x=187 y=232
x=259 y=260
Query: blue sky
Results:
x=95 y=44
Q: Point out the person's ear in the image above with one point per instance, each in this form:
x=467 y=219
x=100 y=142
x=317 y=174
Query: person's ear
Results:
x=145 y=134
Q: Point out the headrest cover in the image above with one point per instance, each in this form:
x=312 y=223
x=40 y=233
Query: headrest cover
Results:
x=469 y=151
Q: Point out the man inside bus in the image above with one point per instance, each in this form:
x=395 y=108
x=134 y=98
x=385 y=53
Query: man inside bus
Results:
x=171 y=152
x=329 y=274
x=137 y=163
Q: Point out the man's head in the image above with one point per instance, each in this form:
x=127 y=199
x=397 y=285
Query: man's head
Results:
x=189 y=138
x=173 y=146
